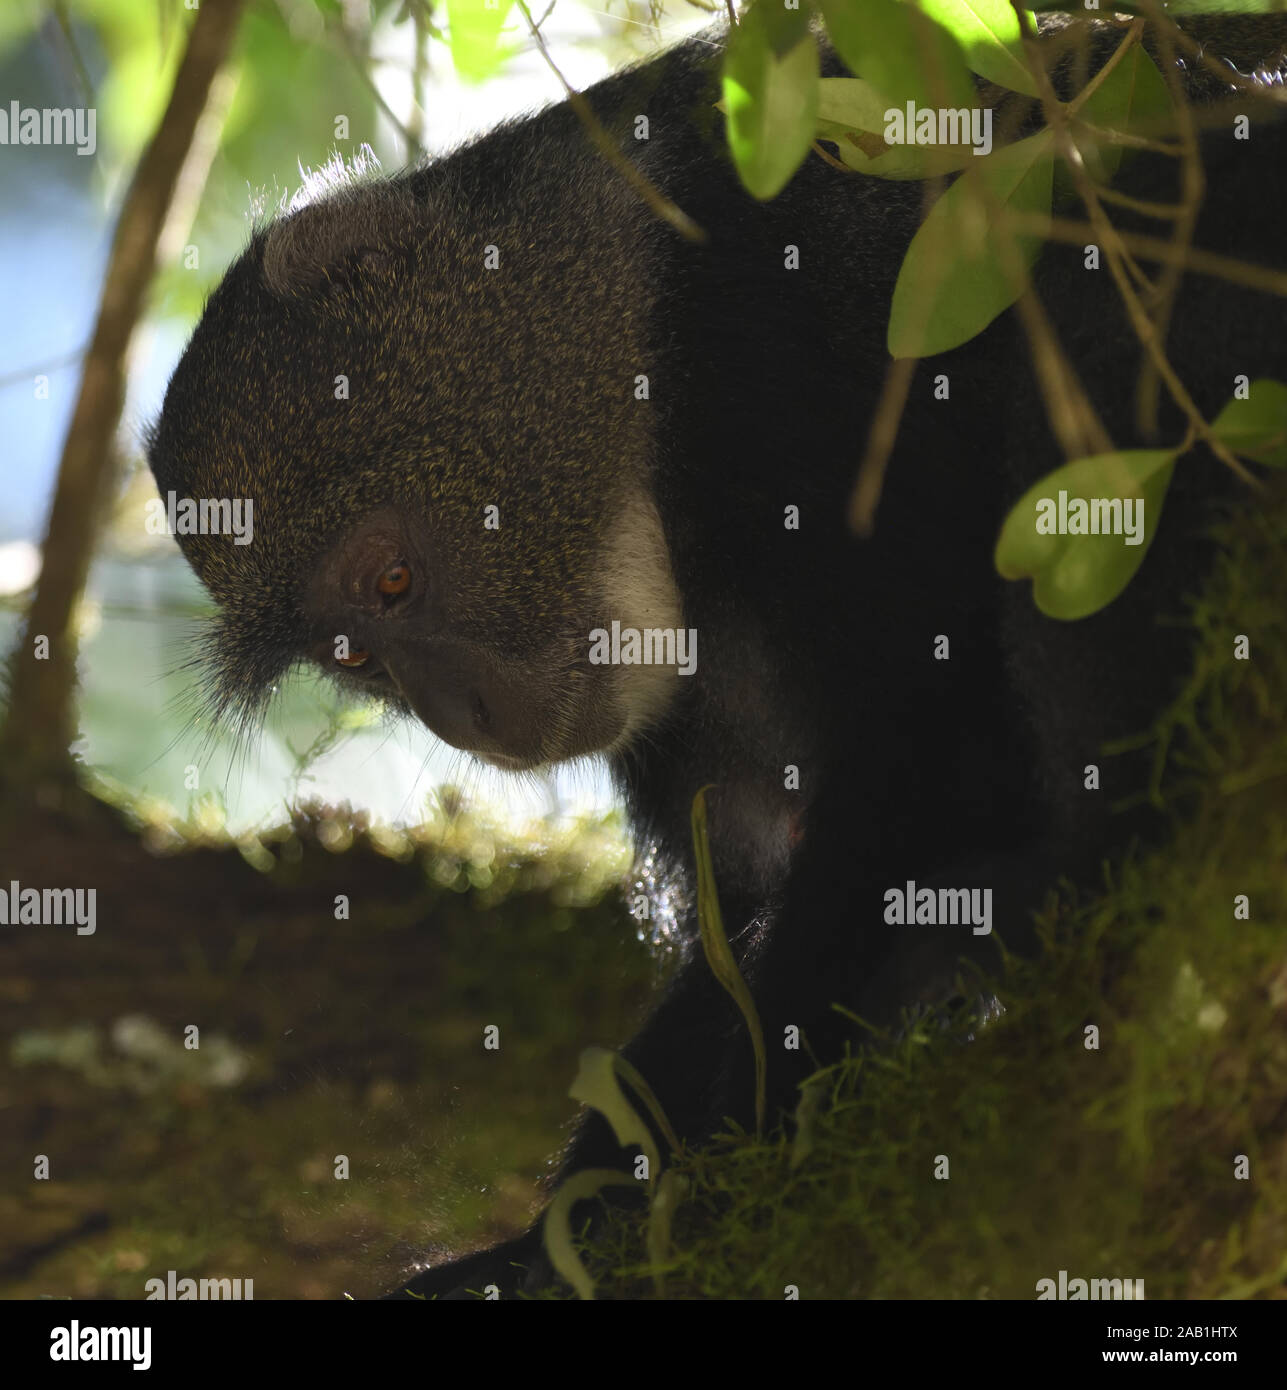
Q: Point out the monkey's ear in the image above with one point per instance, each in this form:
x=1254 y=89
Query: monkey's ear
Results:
x=371 y=229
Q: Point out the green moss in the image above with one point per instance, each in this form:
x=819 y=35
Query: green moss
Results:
x=1115 y=1160
x=360 y=1036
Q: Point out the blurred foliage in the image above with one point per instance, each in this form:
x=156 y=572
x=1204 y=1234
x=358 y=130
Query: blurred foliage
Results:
x=305 y=79
x=320 y=1036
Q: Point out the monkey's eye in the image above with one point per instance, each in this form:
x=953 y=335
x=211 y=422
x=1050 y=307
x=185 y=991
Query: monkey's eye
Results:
x=358 y=658
x=395 y=580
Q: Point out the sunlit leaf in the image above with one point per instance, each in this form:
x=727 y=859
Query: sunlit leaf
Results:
x=988 y=32
x=903 y=53
x=475 y=30
x=556 y=1230
x=851 y=102
x=597 y=1085
x=1075 y=575
x=956 y=276
x=1133 y=96
x=770 y=90
x=851 y=113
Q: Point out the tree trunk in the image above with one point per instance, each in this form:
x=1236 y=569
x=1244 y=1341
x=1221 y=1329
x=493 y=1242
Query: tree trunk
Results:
x=35 y=760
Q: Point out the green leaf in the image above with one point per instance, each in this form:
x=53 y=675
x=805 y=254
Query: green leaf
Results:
x=903 y=53
x=1133 y=96
x=988 y=32
x=475 y=31
x=783 y=28
x=851 y=102
x=596 y=1084
x=1078 y=574
x=556 y=1230
x=955 y=278
x=771 y=97
x=667 y=1195
x=1257 y=427
x=719 y=957
x=852 y=113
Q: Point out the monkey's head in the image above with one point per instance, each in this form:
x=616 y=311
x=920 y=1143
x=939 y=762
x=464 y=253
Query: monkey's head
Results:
x=428 y=394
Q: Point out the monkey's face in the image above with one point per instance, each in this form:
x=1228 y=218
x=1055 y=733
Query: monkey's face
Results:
x=447 y=466
x=393 y=614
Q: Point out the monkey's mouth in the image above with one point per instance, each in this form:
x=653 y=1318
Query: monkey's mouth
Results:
x=517 y=723
x=517 y=716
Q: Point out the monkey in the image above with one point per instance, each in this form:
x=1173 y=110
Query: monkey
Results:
x=492 y=411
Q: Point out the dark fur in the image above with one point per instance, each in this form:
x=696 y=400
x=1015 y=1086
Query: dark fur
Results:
x=816 y=648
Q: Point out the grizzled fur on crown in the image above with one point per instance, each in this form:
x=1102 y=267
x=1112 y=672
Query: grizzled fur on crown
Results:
x=467 y=387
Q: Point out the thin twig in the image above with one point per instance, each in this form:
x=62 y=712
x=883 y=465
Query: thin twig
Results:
x=1131 y=142
x=1150 y=248
x=38 y=727
x=607 y=147
x=1073 y=419
x=1162 y=212
x=361 y=65
x=1193 y=191
x=83 y=79
x=51 y=364
x=1129 y=40
x=1117 y=255
x=825 y=154
x=880 y=444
